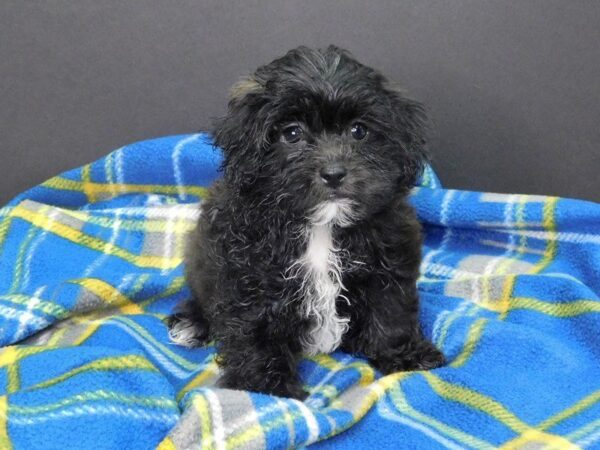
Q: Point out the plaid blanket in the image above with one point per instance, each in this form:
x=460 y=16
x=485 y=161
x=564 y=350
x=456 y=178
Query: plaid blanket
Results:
x=90 y=266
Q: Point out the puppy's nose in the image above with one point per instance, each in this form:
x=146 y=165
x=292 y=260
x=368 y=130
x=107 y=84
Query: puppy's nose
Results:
x=333 y=175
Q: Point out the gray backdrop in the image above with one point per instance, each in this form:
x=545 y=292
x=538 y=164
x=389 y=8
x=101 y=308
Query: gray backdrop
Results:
x=513 y=87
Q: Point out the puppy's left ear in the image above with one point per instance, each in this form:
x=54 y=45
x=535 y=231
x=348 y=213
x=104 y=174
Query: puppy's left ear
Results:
x=409 y=120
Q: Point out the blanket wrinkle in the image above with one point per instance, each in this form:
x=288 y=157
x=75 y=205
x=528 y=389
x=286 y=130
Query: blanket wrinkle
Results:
x=91 y=265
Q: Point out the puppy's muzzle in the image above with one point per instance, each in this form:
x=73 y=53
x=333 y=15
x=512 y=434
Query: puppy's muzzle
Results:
x=333 y=175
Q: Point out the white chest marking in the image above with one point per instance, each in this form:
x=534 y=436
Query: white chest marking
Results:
x=321 y=273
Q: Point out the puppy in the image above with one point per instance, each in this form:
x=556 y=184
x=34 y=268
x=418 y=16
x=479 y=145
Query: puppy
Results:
x=308 y=243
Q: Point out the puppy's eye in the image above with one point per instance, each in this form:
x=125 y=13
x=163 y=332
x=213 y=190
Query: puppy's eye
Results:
x=292 y=134
x=358 y=131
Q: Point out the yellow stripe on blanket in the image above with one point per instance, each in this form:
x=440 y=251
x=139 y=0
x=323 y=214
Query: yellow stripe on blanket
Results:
x=8 y=355
x=93 y=243
x=111 y=295
x=4 y=226
x=567 y=309
x=400 y=401
x=475 y=400
x=103 y=190
x=127 y=362
x=538 y=439
x=4 y=439
x=166 y=444
x=209 y=371
x=473 y=338
x=202 y=409
x=9 y=358
x=581 y=405
x=14 y=353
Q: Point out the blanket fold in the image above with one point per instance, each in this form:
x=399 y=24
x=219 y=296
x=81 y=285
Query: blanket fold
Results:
x=91 y=265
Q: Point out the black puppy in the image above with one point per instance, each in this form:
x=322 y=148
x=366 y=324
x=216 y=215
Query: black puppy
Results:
x=308 y=243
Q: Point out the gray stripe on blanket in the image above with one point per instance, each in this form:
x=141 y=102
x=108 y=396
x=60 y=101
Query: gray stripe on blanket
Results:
x=231 y=413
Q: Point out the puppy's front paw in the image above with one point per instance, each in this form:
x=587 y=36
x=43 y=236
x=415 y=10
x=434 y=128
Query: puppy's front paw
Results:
x=427 y=357
x=290 y=390
x=183 y=330
x=422 y=355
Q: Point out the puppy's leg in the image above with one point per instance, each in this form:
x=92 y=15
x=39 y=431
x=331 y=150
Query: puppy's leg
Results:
x=187 y=326
x=254 y=357
x=388 y=332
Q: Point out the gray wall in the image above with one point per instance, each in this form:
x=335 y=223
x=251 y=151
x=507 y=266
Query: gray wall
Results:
x=513 y=87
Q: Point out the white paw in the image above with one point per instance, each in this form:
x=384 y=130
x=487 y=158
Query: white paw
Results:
x=183 y=332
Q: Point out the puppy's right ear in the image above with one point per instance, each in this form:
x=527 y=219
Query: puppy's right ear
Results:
x=408 y=119
x=245 y=86
x=243 y=132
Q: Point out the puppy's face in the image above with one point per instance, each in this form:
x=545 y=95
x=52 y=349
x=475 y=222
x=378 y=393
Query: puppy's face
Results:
x=321 y=135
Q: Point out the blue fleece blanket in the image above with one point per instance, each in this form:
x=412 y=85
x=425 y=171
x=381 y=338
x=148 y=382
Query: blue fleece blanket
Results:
x=90 y=265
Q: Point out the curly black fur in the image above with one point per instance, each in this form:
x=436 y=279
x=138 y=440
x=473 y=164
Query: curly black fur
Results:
x=243 y=259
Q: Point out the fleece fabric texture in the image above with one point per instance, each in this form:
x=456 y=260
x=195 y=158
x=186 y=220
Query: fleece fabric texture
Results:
x=91 y=264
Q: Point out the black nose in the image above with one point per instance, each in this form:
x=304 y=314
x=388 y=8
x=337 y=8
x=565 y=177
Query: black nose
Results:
x=333 y=175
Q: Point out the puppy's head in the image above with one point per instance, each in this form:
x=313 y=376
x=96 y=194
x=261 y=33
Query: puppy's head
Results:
x=322 y=135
